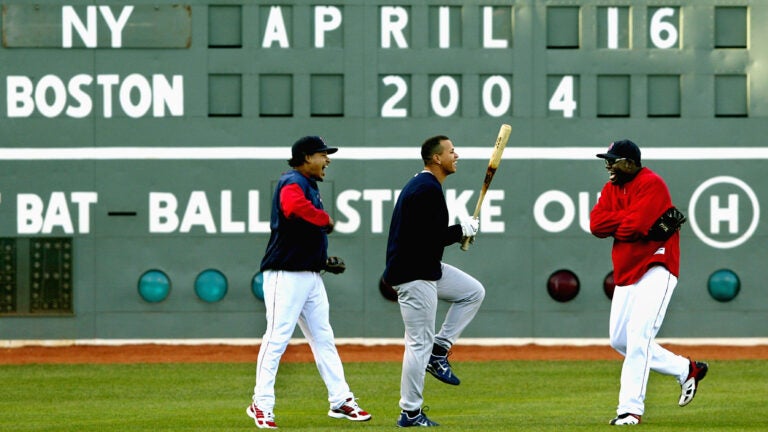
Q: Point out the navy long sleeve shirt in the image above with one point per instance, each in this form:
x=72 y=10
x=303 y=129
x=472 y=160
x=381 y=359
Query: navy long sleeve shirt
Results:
x=295 y=244
x=419 y=232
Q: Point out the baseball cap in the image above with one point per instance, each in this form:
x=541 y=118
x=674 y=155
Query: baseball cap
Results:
x=308 y=145
x=622 y=149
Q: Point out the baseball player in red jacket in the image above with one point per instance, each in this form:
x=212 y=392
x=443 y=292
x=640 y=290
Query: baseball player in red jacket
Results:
x=635 y=208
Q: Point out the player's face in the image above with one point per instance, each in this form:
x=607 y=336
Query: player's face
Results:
x=447 y=159
x=316 y=164
x=620 y=171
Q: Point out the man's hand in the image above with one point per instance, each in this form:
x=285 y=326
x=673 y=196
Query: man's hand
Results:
x=469 y=227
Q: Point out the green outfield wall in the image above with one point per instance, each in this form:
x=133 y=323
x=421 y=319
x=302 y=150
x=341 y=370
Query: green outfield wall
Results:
x=140 y=144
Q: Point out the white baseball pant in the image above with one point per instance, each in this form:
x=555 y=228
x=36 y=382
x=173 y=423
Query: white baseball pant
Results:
x=637 y=312
x=418 y=306
x=292 y=297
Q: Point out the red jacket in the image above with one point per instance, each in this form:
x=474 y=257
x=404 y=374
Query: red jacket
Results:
x=626 y=212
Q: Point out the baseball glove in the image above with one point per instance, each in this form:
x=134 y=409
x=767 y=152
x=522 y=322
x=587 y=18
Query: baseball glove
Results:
x=666 y=225
x=335 y=265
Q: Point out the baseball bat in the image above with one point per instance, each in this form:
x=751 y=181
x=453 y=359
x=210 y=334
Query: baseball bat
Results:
x=493 y=165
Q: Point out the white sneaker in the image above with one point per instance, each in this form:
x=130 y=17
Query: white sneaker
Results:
x=350 y=411
x=696 y=372
x=263 y=419
x=626 y=419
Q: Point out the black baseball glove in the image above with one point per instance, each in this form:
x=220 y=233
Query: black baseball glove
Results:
x=666 y=225
x=335 y=265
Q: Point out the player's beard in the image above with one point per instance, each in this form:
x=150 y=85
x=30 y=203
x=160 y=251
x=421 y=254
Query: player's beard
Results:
x=620 y=177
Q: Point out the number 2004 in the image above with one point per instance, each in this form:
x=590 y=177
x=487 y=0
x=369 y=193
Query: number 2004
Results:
x=496 y=96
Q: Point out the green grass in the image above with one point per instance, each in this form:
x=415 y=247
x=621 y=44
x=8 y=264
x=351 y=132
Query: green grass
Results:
x=493 y=396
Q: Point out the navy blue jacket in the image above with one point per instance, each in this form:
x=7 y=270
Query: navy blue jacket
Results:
x=419 y=232
x=295 y=244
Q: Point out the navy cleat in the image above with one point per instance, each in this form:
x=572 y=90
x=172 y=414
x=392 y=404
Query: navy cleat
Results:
x=419 y=419
x=439 y=367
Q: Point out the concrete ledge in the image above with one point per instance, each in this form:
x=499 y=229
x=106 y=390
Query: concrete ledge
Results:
x=9 y=343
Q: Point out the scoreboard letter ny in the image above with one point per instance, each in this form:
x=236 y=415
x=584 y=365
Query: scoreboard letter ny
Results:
x=89 y=30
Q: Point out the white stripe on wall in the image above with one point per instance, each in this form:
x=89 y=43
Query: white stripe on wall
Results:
x=366 y=153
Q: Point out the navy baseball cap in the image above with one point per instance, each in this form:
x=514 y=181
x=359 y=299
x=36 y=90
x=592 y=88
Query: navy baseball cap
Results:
x=306 y=146
x=622 y=149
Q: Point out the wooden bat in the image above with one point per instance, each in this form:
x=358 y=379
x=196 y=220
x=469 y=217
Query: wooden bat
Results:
x=493 y=164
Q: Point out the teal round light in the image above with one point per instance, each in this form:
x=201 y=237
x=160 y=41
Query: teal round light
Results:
x=723 y=285
x=154 y=286
x=211 y=286
x=257 y=286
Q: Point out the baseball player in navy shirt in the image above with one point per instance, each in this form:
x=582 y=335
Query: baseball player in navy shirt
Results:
x=418 y=234
x=645 y=271
x=293 y=287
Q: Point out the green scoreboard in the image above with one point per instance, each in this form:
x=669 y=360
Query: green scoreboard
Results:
x=140 y=144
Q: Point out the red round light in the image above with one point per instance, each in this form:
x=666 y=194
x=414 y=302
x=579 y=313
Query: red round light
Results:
x=563 y=285
x=609 y=285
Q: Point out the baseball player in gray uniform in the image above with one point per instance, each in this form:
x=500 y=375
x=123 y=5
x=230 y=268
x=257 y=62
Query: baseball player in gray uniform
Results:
x=418 y=234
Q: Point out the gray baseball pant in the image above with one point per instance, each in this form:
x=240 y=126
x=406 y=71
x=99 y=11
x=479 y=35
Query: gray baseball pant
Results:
x=418 y=307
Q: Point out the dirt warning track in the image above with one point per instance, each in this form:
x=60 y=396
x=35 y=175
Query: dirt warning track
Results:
x=158 y=353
